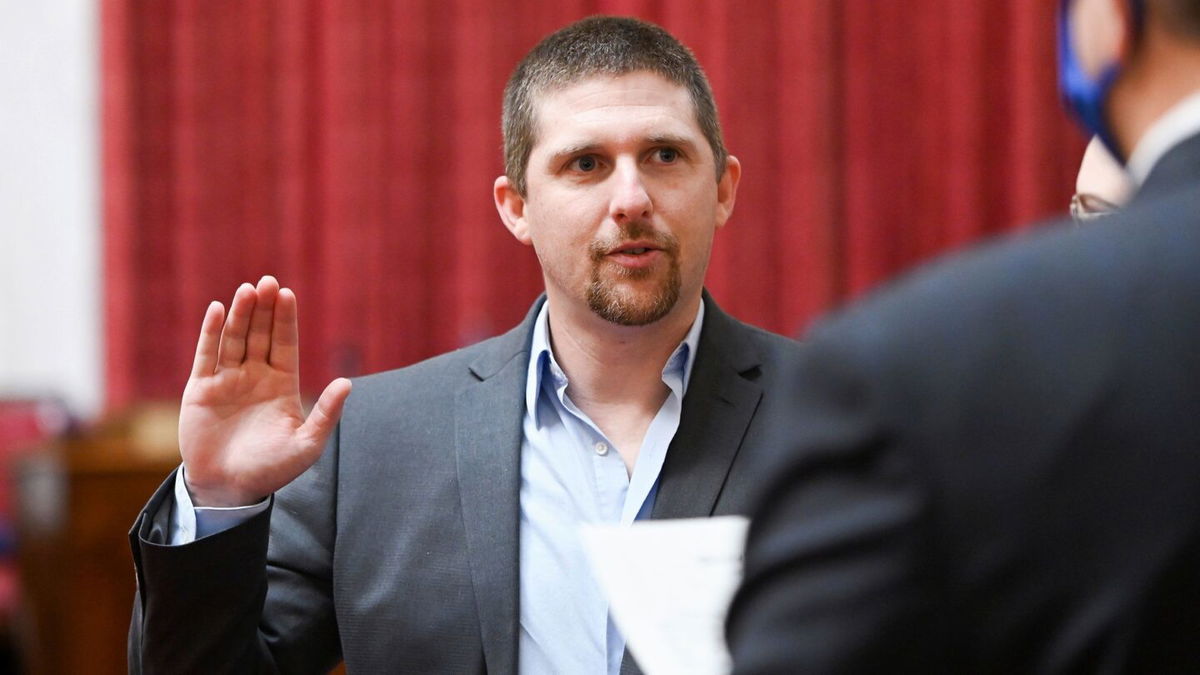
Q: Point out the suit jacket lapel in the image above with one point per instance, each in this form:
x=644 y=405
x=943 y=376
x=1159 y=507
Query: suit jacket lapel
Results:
x=488 y=416
x=717 y=409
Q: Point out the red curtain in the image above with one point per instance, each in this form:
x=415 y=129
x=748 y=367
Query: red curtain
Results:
x=348 y=147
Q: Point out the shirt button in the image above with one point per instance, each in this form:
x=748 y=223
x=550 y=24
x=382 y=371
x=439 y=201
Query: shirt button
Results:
x=601 y=448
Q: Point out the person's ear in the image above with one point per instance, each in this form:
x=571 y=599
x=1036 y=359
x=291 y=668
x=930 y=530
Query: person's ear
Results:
x=1130 y=27
x=727 y=189
x=511 y=207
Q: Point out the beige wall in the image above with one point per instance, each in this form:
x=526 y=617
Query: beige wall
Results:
x=49 y=202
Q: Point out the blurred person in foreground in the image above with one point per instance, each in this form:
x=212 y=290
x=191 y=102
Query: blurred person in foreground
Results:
x=438 y=531
x=994 y=466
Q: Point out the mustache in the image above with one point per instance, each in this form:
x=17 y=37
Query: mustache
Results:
x=634 y=230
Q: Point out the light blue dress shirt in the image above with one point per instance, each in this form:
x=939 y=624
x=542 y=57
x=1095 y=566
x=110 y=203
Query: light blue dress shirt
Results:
x=570 y=475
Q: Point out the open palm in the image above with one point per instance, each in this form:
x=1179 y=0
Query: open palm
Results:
x=242 y=431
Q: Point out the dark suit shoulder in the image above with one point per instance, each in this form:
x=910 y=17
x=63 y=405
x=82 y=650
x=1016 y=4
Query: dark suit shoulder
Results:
x=1055 y=291
x=1051 y=276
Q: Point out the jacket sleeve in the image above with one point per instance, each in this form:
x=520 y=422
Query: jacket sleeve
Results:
x=256 y=598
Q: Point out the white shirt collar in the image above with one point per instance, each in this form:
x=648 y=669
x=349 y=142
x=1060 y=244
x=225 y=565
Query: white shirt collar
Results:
x=683 y=358
x=1180 y=122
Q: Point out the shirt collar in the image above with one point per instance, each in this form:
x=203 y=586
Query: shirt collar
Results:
x=676 y=373
x=1180 y=122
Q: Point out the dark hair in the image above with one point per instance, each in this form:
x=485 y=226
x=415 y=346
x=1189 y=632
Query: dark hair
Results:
x=600 y=45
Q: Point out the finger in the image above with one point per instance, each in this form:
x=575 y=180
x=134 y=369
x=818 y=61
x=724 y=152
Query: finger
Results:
x=233 y=336
x=326 y=412
x=258 y=339
x=285 y=335
x=209 y=343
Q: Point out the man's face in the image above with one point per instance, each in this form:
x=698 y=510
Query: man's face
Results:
x=621 y=199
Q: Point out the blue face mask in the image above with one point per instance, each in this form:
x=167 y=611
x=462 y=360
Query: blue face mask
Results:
x=1085 y=96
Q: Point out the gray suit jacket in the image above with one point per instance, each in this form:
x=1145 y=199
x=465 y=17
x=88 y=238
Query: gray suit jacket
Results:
x=397 y=551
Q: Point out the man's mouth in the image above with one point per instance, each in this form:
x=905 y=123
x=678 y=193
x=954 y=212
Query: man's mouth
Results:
x=636 y=257
x=636 y=248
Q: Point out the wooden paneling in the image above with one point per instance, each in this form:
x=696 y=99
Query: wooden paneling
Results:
x=77 y=498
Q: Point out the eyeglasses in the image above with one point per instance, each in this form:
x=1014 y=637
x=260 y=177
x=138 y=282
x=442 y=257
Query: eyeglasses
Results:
x=1085 y=207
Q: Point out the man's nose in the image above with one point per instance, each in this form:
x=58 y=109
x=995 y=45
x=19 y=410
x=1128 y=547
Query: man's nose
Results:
x=630 y=197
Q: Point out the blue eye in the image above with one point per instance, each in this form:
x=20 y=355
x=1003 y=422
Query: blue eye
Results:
x=668 y=155
x=586 y=163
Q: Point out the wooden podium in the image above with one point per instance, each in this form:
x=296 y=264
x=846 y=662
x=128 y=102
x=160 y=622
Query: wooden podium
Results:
x=76 y=498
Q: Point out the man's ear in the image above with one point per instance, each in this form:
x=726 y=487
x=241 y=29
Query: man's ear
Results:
x=1130 y=29
x=511 y=206
x=1125 y=26
x=727 y=189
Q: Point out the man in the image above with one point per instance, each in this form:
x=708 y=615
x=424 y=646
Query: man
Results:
x=995 y=467
x=437 y=530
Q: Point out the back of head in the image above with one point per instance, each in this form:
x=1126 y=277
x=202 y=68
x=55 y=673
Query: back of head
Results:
x=600 y=46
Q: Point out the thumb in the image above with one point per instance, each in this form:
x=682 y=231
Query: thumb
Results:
x=326 y=412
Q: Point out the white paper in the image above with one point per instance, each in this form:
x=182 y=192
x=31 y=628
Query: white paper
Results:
x=669 y=583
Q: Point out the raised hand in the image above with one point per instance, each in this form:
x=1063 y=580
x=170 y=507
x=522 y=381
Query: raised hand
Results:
x=242 y=431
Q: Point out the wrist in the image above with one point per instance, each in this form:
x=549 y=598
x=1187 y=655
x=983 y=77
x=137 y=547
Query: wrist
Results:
x=218 y=496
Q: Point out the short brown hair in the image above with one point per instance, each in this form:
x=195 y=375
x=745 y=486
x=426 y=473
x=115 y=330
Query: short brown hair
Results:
x=600 y=45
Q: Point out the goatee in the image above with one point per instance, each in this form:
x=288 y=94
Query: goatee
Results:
x=611 y=301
